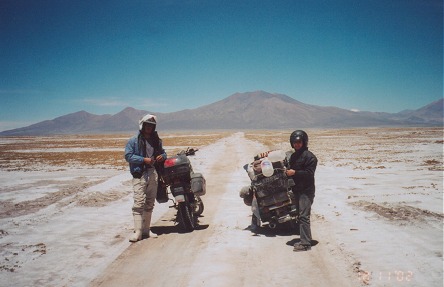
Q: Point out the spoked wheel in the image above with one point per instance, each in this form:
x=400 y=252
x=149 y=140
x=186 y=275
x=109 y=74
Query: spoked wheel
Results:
x=198 y=205
x=186 y=217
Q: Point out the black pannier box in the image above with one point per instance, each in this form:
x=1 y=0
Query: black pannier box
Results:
x=176 y=167
x=162 y=194
x=198 y=184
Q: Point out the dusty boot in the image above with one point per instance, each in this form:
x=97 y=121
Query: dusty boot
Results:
x=299 y=247
x=146 y=232
x=137 y=228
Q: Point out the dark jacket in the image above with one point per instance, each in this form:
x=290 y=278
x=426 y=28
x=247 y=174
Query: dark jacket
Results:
x=135 y=151
x=304 y=162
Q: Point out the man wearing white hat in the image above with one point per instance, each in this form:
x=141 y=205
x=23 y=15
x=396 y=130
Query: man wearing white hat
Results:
x=143 y=151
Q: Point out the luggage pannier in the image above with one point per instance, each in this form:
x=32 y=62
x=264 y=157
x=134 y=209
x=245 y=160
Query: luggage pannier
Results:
x=281 y=198
x=270 y=185
x=198 y=184
x=162 y=195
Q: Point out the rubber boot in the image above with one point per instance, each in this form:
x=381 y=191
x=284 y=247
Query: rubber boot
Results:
x=137 y=235
x=146 y=232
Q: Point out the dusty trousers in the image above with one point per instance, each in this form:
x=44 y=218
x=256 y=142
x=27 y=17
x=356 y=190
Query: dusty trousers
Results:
x=305 y=202
x=144 y=192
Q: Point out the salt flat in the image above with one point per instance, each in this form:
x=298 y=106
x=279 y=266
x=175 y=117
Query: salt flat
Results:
x=65 y=212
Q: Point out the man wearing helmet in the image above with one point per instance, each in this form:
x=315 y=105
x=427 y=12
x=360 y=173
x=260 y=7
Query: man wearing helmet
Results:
x=302 y=167
x=143 y=151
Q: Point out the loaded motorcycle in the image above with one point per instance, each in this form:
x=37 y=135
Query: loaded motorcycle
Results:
x=186 y=188
x=269 y=194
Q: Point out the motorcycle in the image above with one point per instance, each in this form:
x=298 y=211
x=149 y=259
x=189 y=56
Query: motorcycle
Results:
x=186 y=188
x=269 y=194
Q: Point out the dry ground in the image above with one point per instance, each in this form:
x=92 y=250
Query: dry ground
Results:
x=377 y=216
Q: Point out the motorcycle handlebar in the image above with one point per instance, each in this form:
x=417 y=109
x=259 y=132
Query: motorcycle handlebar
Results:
x=188 y=151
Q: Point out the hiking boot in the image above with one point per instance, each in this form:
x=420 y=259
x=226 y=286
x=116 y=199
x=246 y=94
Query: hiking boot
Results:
x=137 y=235
x=299 y=247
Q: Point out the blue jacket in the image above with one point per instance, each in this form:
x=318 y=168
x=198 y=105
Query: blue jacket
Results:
x=135 y=152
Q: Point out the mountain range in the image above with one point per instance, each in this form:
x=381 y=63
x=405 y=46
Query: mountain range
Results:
x=250 y=110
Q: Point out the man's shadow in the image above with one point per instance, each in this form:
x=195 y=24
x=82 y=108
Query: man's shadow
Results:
x=298 y=240
x=272 y=232
x=282 y=231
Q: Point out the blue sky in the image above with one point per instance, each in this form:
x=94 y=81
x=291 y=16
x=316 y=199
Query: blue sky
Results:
x=60 y=56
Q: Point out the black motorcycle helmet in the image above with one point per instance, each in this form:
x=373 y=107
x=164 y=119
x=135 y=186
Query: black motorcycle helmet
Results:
x=299 y=135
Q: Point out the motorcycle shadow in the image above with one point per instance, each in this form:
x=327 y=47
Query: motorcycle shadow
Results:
x=167 y=229
x=269 y=232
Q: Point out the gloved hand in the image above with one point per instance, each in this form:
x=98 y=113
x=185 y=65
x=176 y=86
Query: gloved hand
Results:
x=261 y=155
x=159 y=158
x=264 y=154
x=290 y=172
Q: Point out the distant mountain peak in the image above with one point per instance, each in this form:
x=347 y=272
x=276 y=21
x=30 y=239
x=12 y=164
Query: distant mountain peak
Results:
x=260 y=94
x=249 y=110
x=128 y=109
x=256 y=96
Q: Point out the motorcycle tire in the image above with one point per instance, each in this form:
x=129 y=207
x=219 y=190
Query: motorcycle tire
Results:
x=186 y=217
x=199 y=206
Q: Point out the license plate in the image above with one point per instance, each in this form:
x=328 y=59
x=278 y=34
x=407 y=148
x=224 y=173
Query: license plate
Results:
x=180 y=198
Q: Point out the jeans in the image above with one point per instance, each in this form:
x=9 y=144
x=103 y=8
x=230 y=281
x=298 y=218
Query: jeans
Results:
x=305 y=202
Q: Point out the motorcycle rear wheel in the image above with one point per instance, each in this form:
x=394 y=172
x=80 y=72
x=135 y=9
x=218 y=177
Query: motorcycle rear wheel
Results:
x=186 y=217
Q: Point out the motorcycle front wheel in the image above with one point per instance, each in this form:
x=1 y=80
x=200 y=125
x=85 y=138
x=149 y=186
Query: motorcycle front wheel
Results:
x=198 y=205
x=186 y=217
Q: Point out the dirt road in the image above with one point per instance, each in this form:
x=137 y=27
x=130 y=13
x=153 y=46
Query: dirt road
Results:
x=223 y=252
x=376 y=219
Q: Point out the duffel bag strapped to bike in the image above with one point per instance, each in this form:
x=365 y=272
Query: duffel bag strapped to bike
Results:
x=198 y=184
x=247 y=194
